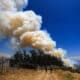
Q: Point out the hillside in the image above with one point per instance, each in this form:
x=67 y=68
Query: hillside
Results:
x=25 y=74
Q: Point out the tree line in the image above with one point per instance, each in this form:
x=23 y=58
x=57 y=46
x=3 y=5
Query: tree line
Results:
x=34 y=59
x=38 y=59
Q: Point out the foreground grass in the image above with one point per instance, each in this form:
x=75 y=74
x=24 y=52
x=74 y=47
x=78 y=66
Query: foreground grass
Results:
x=26 y=74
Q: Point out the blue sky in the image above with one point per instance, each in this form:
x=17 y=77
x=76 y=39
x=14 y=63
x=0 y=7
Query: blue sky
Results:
x=61 y=18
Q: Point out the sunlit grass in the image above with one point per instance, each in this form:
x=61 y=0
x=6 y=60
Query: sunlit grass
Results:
x=27 y=74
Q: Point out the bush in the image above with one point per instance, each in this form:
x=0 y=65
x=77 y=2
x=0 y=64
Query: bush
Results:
x=68 y=77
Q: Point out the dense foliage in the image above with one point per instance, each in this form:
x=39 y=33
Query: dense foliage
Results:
x=34 y=59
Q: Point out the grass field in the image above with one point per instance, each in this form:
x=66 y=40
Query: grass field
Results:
x=26 y=74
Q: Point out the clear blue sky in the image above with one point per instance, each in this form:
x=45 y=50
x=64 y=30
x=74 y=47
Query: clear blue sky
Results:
x=61 y=18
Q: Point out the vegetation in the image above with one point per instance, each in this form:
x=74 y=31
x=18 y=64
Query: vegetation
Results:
x=29 y=74
x=68 y=76
x=33 y=60
x=36 y=59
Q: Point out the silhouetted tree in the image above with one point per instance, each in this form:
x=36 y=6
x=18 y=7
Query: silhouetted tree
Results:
x=37 y=58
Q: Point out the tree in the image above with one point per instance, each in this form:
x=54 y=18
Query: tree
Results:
x=37 y=58
x=33 y=56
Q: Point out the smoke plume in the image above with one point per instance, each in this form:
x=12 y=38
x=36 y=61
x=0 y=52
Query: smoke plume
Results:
x=37 y=39
x=16 y=23
x=23 y=28
x=12 y=5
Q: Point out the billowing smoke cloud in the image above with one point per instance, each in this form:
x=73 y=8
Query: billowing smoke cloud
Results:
x=59 y=53
x=37 y=39
x=68 y=63
x=16 y=23
x=23 y=28
x=12 y=5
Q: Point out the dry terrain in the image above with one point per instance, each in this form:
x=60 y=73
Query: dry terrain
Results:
x=26 y=74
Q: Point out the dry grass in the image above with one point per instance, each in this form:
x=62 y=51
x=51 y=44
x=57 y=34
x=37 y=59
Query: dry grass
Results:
x=26 y=74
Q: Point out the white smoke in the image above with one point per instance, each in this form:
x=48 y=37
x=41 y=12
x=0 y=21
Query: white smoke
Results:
x=23 y=28
x=12 y=5
x=20 y=4
x=14 y=43
x=68 y=63
x=37 y=39
x=59 y=53
x=16 y=23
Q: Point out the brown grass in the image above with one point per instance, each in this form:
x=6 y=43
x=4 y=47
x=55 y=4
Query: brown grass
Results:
x=26 y=74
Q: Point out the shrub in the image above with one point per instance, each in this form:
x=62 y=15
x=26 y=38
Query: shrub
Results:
x=68 y=77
